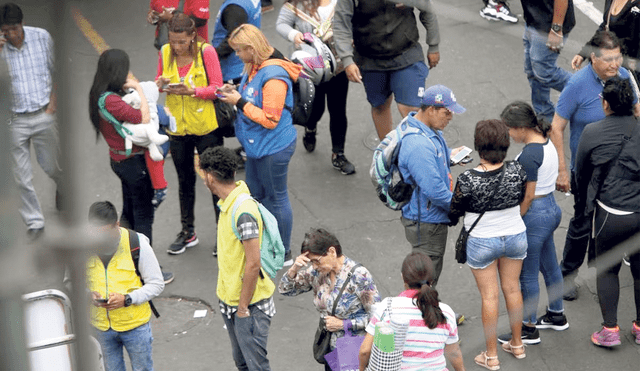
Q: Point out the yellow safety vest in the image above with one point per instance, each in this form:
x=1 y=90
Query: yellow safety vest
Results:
x=194 y=116
x=119 y=277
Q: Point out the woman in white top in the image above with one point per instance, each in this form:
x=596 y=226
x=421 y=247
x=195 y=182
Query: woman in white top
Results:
x=541 y=215
x=432 y=336
x=492 y=192
x=316 y=16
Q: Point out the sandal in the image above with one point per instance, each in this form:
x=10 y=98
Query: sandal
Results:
x=507 y=347
x=483 y=359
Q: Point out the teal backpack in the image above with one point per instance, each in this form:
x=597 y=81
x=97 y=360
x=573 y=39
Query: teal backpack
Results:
x=272 y=248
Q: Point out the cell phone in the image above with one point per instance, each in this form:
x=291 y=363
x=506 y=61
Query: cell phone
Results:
x=466 y=160
x=101 y=301
x=174 y=85
x=461 y=155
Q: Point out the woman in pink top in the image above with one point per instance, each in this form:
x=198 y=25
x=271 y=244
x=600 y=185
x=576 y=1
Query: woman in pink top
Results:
x=432 y=337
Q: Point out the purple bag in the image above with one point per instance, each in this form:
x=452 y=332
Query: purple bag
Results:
x=345 y=356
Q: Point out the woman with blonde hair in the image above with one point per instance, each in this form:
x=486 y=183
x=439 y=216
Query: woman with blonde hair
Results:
x=264 y=126
x=189 y=72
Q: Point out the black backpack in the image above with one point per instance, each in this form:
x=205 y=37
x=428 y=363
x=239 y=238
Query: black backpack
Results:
x=134 y=245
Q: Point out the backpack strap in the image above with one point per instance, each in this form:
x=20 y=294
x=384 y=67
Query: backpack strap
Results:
x=344 y=286
x=134 y=245
x=242 y=198
x=120 y=129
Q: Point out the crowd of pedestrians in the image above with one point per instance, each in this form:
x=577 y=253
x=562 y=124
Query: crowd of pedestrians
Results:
x=508 y=207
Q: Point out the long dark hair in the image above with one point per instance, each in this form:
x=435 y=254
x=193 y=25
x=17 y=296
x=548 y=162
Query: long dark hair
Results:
x=520 y=114
x=417 y=272
x=111 y=75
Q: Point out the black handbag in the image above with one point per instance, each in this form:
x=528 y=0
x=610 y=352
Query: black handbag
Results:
x=461 y=242
x=322 y=340
x=226 y=116
x=162 y=37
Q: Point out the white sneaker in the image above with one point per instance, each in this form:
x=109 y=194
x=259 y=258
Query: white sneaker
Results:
x=498 y=12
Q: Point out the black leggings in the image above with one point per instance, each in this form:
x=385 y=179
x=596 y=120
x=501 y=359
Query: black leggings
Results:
x=182 y=154
x=335 y=91
x=611 y=230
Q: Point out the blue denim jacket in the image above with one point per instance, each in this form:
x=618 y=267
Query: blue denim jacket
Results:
x=424 y=161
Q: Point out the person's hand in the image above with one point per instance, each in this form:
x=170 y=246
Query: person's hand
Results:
x=298 y=39
x=434 y=59
x=563 y=183
x=301 y=261
x=353 y=73
x=333 y=324
x=162 y=81
x=3 y=40
x=166 y=14
x=167 y=111
x=576 y=62
x=115 y=301
x=554 y=42
x=243 y=312
x=152 y=16
x=180 y=89
x=131 y=84
x=231 y=97
x=95 y=296
x=51 y=108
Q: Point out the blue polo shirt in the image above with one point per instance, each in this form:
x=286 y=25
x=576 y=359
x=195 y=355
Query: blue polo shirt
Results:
x=580 y=103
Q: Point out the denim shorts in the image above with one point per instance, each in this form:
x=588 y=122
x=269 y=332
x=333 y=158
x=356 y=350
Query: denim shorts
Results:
x=405 y=84
x=481 y=252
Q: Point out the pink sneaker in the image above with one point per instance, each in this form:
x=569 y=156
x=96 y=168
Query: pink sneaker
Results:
x=606 y=337
x=635 y=331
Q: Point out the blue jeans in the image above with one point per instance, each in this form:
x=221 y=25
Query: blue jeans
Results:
x=249 y=339
x=542 y=219
x=138 y=343
x=481 y=252
x=267 y=181
x=137 y=192
x=39 y=129
x=542 y=71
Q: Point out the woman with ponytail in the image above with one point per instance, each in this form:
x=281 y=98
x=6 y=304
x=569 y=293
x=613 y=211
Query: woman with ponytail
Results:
x=430 y=321
x=541 y=215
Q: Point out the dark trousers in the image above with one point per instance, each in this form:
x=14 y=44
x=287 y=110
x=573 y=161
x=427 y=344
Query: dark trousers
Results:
x=182 y=148
x=610 y=232
x=137 y=192
x=577 y=239
x=335 y=91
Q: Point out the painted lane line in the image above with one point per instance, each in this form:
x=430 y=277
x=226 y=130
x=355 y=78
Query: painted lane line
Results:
x=589 y=10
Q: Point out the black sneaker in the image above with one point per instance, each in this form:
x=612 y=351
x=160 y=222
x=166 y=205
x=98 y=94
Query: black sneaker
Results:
x=242 y=157
x=555 y=321
x=215 y=248
x=167 y=277
x=530 y=335
x=341 y=163
x=185 y=239
x=309 y=139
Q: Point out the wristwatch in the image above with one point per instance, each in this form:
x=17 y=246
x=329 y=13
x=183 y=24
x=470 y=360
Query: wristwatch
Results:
x=127 y=300
x=556 y=27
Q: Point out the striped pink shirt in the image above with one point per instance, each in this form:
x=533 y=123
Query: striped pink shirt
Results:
x=424 y=347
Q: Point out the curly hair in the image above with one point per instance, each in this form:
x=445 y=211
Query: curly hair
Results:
x=220 y=162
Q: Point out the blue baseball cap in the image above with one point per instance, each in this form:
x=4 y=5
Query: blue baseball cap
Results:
x=441 y=96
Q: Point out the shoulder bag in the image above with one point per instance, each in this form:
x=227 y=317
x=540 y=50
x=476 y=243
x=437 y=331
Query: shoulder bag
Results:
x=461 y=243
x=322 y=340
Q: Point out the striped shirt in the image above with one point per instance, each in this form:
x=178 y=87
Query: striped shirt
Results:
x=424 y=347
x=31 y=70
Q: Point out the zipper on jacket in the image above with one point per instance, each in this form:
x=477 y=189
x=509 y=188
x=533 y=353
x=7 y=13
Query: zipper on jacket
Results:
x=106 y=287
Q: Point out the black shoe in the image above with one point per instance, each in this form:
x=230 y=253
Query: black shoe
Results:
x=459 y=318
x=288 y=261
x=267 y=6
x=242 y=157
x=167 y=277
x=309 y=139
x=185 y=239
x=215 y=248
x=555 y=321
x=570 y=290
x=530 y=335
x=341 y=163
x=34 y=234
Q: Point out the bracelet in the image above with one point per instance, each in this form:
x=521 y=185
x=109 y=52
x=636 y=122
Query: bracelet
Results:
x=557 y=34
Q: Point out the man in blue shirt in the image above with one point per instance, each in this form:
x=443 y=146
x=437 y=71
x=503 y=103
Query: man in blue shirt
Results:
x=28 y=52
x=424 y=161
x=579 y=105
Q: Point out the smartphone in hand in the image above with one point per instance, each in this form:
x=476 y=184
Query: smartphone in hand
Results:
x=461 y=155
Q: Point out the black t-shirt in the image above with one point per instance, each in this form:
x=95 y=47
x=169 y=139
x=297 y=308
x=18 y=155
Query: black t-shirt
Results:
x=539 y=15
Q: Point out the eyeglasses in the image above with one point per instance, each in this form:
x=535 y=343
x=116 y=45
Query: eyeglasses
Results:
x=611 y=59
x=317 y=260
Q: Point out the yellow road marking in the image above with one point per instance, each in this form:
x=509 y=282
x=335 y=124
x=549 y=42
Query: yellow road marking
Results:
x=100 y=45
